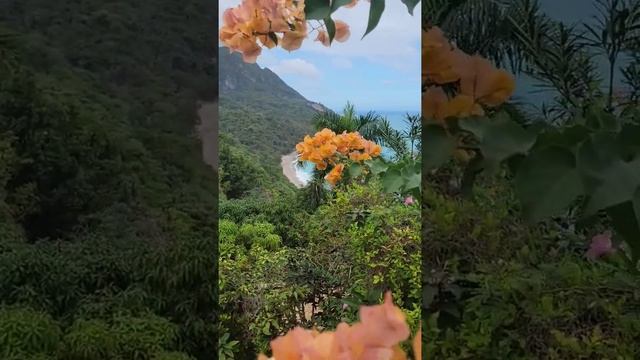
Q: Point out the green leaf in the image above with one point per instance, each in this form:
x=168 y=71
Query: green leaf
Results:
x=392 y=181
x=331 y=28
x=355 y=170
x=438 y=147
x=412 y=178
x=499 y=138
x=317 y=9
x=266 y=330
x=375 y=12
x=411 y=4
x=377 y=166
x=547 y=182
x=566 y=137
x=595 y=155
x=336 y=4
x=621 y=179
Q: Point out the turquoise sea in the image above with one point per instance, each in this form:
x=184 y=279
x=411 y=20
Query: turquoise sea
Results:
x=395 y=118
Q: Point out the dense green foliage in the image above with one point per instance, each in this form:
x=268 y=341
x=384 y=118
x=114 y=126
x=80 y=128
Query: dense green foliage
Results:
x=512 y=274
x=106 y=208
x=498 y=288
x=282 y=264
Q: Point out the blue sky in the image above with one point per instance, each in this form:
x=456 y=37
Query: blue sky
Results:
x=380 y=72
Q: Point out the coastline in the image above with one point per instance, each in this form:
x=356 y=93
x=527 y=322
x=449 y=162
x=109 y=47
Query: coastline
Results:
x=289 y=169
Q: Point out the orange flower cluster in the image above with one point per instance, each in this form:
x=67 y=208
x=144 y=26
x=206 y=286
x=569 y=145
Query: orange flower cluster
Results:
x=377 y=336
x=256 y=23
x=268 y=23
x=478 y=81
x=325 y=148
x=342 y=33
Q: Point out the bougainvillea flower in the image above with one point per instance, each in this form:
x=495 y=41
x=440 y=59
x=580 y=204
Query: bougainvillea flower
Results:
x=323 y=37
x=326 y=148
x=480 y=80
x=434 y=101
x=601 y=245
x=256 y=23
x=383 y=325
x=438 y=58
x=376 y=337
x=417 y=344
x=292 y=40
x=335 y=174
x=342 y=31
x=461 y=106
x=351 y=4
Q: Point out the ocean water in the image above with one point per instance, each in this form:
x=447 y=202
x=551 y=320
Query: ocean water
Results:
x=396 y=120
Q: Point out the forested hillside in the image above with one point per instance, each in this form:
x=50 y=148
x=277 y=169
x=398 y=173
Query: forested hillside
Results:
x=107 y=212
x=260 y=111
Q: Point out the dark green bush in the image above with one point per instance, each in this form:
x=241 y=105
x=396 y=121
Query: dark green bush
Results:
x=25 y=332
x=568 y=309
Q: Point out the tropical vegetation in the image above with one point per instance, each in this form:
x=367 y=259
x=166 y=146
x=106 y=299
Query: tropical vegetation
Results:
x=106 y=206
x=541 y=258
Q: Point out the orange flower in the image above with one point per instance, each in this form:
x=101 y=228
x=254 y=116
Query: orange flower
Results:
x=438 y=58
x=359 y=156
x=479 y=82
x=461 y=106
x=351 y=4
x=323 y=37
x=335 y=174
x=483 y=82
x=433 y=101
x=292 y=40
x=342 y=31
x=417 y=344
x=325 y=148
x=255 y=23
x=346 y=142
x=376 y=336
x=372 y=148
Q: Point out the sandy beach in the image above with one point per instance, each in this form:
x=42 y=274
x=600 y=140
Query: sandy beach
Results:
x=289 y=169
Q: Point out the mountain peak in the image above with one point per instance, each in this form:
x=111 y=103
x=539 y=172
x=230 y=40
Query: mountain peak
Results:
x=238 y=78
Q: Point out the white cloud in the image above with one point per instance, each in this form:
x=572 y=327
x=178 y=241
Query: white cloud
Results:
x=341 y=63
x=296 y=67
x=394 y=42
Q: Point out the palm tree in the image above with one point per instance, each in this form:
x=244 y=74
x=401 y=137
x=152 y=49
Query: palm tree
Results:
x=517 y=34
x=403 y=143
x=367 y=125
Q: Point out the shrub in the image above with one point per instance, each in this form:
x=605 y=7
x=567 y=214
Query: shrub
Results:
x=25 y=332
x=567 y=309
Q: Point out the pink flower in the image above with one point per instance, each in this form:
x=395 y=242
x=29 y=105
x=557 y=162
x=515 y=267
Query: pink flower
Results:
x=600 y=246
x=409 y=200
